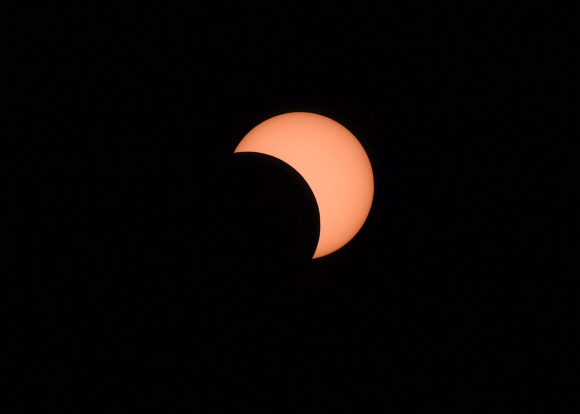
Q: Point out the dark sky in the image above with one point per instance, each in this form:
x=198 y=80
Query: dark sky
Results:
x=165 y=271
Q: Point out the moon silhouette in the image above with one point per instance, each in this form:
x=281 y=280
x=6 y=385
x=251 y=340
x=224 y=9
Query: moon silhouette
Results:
x=333 y=163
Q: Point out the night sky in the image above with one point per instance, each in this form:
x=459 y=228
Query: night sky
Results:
x=161 y=270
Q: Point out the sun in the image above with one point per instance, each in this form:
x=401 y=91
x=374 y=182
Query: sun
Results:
x=333 y=163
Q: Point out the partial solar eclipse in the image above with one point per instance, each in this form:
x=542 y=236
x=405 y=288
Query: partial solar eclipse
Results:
x=333 y=163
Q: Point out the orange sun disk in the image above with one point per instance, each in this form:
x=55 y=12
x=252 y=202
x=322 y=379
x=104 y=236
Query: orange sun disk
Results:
x=333 y=163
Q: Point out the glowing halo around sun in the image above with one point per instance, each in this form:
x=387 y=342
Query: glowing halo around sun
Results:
x=333 y=163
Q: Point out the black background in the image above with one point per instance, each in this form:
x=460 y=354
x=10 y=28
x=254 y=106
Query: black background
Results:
x=161 y=270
